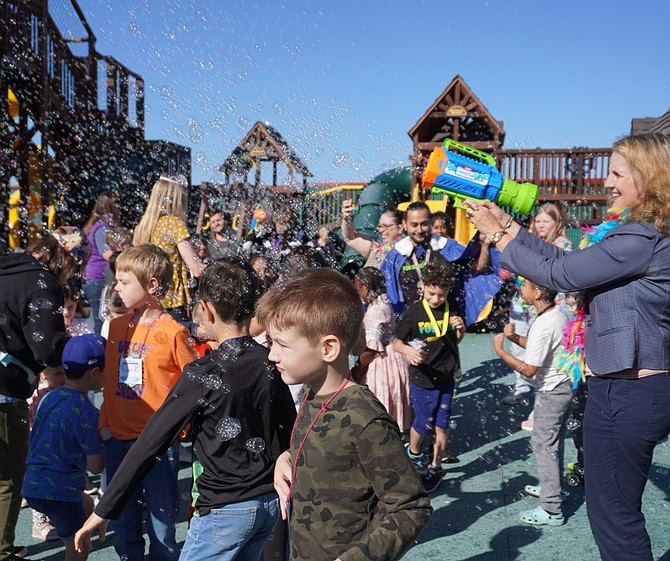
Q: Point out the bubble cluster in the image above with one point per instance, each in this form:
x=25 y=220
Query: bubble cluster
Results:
x=228 y=428
x=211 y=381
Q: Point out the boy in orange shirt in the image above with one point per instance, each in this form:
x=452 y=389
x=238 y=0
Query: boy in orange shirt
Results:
x=146 y=353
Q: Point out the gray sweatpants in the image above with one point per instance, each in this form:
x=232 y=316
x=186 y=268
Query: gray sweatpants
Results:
x=551 y=411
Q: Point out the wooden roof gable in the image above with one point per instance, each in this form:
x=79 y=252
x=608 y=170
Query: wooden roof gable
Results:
x=263 y=143
x=459 y=114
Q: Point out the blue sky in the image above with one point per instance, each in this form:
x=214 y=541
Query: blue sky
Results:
x=344 y=81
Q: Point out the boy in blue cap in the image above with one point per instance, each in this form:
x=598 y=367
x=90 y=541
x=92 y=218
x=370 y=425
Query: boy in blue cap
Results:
x=64 y=442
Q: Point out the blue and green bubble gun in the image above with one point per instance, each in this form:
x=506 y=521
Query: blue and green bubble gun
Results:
x=463 y=172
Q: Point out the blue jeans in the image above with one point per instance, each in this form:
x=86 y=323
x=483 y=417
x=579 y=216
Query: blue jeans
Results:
x=625 y=420
x=93 y=291
x=161 y=494
x=235 y=531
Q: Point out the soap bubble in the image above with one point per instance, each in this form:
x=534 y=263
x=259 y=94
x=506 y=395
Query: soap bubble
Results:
x=255 y=445
x=572 y=424
x=228 y=428
x=44 y=303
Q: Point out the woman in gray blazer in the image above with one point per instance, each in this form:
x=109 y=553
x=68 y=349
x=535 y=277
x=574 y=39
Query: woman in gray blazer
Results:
x=625 y=276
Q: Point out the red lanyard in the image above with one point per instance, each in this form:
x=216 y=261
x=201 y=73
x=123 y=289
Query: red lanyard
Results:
x=323 y=408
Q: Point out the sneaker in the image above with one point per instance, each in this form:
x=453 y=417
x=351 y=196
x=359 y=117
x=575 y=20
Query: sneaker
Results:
x=418 y=460
x=24 y=503
x=448 y=457
x=432 y=478
x=514 y=398
x=527 y=425
x=90 y=489
x=540 y=517
x=534 y=491
x=45 y=531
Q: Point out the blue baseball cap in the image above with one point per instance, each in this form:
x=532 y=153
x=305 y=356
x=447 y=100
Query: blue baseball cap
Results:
x=84 y=352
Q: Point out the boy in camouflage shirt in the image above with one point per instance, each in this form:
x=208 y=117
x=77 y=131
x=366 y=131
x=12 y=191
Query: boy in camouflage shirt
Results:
x=346 y=484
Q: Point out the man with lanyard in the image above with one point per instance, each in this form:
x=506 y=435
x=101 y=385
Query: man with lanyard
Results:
x=403 y=265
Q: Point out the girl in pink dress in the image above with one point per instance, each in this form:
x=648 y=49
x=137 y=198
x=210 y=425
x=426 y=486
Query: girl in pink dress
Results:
x=379 y=367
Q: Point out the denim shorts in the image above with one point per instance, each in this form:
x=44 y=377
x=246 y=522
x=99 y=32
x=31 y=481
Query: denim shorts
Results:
x=432 y=407
x=66 y=517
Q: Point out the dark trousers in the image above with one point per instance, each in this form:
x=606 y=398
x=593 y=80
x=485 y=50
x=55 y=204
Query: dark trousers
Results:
x=625 y=420
x=14 y=435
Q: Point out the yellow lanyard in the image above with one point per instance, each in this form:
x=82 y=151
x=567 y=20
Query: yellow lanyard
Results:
x=433 y=321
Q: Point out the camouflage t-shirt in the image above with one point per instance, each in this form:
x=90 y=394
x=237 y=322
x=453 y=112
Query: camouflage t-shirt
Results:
x=355 y=495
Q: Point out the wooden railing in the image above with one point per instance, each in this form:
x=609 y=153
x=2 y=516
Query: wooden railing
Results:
x=574 y=178
x=324 y=202
x=39 y=52
x=571 y=177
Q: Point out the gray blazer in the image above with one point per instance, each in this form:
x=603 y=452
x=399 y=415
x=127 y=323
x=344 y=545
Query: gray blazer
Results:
x=626 y=280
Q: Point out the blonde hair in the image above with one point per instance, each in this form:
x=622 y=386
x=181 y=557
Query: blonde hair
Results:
x=147 y=262
x=168 y=198
x=649 y=156
x=316 y=303
x=554 y=212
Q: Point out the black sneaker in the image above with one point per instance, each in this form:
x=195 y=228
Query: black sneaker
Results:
x=432 y=478
x=418 y=460
x=448 y=457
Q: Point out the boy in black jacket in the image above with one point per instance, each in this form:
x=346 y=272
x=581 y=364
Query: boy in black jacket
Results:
x=241 y=414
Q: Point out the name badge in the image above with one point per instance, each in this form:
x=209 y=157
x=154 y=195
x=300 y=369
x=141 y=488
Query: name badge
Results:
x=130 y=371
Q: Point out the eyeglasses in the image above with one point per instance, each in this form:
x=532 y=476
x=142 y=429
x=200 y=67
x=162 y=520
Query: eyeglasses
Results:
x=381 y=226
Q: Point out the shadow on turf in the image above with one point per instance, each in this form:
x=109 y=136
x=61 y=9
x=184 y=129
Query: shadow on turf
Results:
x=53 y=550
x=482 y=422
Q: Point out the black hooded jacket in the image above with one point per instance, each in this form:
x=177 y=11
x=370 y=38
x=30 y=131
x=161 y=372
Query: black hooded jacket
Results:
x=31 y=321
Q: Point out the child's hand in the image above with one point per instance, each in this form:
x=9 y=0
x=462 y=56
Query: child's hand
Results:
x=457 y=323
x=509 y=330
x=105 y=433
x=82 y=539
x=498 y=343
x=415 y=356
x=282 y=480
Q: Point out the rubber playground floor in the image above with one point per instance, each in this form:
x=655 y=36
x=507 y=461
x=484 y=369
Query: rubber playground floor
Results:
x=477 y=504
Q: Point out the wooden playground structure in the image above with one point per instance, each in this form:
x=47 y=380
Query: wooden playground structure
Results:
x=71 y=116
